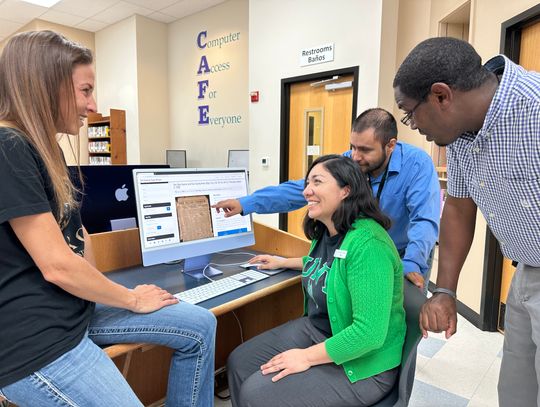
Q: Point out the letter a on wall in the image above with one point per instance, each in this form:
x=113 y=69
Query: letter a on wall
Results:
x=203 y=66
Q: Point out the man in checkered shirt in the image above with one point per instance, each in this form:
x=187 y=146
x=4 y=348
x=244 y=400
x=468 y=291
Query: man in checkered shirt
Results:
x=489 y=117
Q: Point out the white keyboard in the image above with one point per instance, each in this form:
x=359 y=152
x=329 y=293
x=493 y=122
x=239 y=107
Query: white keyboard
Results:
x=222 y=286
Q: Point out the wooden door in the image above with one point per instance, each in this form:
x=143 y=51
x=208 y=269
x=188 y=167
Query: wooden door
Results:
x=529 y=58
x=320 y=123
x=529 y=54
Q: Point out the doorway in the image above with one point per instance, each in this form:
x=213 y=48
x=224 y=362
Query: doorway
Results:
x=520 y=41
x=316 y=116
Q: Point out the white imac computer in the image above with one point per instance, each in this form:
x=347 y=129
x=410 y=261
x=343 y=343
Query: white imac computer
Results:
x=176 y=220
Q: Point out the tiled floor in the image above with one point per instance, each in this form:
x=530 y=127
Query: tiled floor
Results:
x=459 y=372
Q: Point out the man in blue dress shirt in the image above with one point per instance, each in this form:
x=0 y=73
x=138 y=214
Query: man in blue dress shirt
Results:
x=402 y=177
x=489 y=116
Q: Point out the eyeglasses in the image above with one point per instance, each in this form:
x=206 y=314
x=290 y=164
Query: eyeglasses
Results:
x=406 y=120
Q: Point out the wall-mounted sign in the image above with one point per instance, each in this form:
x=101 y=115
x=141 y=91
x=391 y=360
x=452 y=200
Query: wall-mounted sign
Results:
x=205 y=87
x=317 y=55
x=313 y=150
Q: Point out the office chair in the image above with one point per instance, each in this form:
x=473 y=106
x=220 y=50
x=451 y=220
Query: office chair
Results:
x=401 y=392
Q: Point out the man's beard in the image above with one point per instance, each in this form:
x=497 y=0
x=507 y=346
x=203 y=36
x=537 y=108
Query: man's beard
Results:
x=378 y=165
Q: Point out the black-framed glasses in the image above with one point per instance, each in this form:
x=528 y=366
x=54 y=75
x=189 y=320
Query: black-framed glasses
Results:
x=406 y=120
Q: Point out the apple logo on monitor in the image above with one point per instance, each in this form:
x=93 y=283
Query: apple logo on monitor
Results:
x=121 y=194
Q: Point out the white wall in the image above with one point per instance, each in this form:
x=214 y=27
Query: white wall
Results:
x=207 y=145
x=116 y=78
x=279 y=29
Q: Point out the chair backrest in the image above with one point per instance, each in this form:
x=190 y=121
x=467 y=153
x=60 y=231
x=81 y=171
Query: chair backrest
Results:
x=401 y=393
x=176 y=158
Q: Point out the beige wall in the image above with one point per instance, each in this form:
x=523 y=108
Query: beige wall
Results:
x=470 y=281
x=207 y=145
x=487 y=17
x=276 y=38
x=85 y=38
x=153 y=89
x=75 y=148
x=387 y=63
x=116 y=78
x=413 y=27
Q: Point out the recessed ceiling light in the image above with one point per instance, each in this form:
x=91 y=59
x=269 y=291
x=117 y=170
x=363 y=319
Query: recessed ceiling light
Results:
x=43 y=3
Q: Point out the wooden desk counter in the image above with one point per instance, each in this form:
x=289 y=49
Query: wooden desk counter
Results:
x=257 y=307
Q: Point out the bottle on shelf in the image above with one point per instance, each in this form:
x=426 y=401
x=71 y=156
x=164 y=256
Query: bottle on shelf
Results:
x=107 y=138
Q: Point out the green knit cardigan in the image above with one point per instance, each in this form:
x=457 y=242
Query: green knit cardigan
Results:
x=365 y=303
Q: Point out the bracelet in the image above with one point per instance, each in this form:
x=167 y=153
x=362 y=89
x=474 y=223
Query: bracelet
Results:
x=439 y=290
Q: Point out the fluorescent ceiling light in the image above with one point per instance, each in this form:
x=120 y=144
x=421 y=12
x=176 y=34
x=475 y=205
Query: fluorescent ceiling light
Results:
x=43 y=3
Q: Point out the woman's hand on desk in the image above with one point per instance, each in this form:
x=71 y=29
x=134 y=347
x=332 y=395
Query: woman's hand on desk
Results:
x=267 y=262
x=149 y=298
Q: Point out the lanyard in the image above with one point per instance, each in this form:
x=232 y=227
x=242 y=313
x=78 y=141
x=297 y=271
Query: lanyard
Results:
x=383 y=181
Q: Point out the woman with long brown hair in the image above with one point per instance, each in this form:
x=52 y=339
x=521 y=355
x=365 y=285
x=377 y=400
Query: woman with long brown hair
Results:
x=49 y=286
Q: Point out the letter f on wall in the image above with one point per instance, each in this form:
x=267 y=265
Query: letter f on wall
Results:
x=203 y=85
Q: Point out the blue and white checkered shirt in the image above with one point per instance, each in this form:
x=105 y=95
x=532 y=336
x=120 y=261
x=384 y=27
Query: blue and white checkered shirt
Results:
x=499 y=168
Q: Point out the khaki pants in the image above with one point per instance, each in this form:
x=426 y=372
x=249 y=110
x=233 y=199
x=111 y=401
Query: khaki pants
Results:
x=520 y=368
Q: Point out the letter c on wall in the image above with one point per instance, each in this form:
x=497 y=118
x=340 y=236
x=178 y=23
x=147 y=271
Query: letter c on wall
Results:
x=199 y=39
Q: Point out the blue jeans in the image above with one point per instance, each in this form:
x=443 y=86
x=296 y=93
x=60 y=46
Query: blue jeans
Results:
x=85 y=376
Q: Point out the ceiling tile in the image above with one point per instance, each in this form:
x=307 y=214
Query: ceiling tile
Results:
x=154 y=4
x=187 y=7
x=8 y=27
x=20 y=11
x=92 y=25
x=164 y=18
x=120 y=11
x=97 y=14
x=81 y=8
x=59 y=17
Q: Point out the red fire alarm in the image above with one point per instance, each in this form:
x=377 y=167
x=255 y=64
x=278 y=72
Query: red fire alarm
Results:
x=254 y=96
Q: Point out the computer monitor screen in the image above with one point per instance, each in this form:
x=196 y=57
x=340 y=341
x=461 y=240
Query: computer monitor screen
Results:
x=176 y=220
x=238 y=159
x=176 y=158
x=108 y=197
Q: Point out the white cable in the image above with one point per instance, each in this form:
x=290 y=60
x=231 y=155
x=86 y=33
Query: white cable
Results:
x=203 y=272
x=240 y=327
x=233 y=253
x=225 y=264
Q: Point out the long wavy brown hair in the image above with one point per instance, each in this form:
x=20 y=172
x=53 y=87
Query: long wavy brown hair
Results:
x=36 y=69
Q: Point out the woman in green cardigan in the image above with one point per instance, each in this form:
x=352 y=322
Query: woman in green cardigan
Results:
x=346 y=349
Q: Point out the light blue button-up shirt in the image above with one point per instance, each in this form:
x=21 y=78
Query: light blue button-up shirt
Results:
x=499 y=168
x=410 y=197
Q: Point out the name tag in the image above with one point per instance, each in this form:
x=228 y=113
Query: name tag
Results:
x=340 y=254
